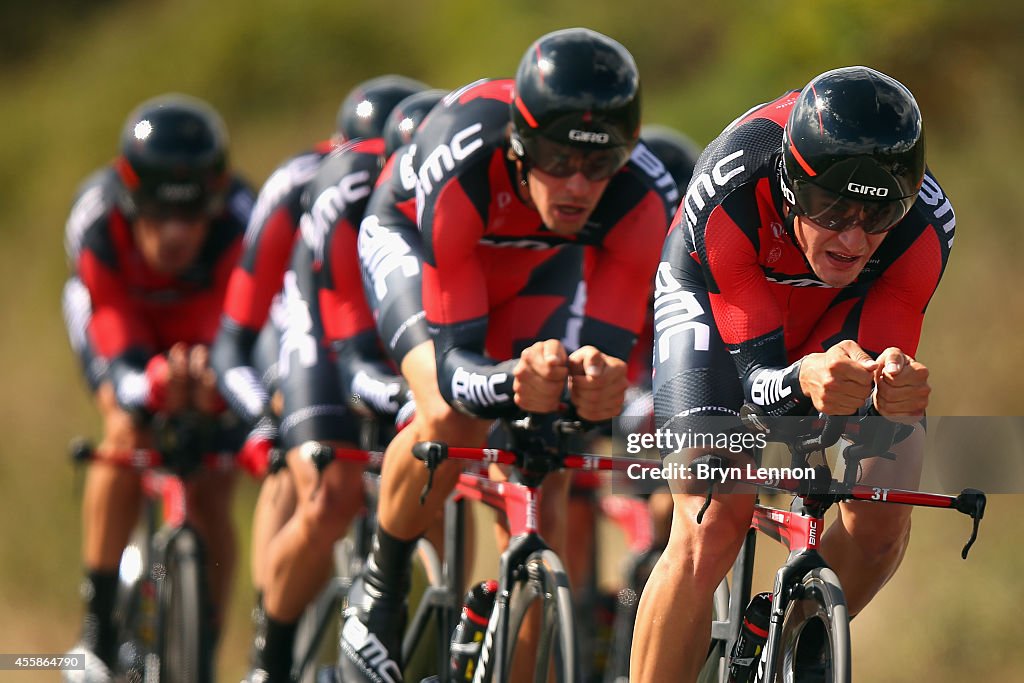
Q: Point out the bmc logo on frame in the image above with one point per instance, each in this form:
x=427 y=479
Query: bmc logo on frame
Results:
x=588 y=136
x=868 y=190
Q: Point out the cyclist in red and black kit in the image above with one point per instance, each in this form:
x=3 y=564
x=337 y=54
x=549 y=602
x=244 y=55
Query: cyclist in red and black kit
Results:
x=679 y=155
x=314 y=407
x=796 y=277
x=472 y=255
x=329 y=352
x=152 y=239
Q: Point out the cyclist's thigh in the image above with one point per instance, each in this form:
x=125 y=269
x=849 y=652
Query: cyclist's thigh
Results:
x=904 y=471
x=314 y=408
x=694 y=406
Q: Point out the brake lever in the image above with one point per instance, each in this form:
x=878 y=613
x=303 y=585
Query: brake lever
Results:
x=713 y=461
x=321 y=456
x=707 y=502
x=432 y=453
x=971 y=502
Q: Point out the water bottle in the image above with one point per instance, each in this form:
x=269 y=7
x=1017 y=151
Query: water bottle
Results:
x=753 y=634
x=469 y=634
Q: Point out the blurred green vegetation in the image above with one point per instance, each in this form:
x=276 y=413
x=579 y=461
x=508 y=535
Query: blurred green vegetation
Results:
x=277 y=70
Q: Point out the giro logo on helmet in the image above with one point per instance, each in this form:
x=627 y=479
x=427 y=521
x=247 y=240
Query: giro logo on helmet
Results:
x=868 y=190
x=183 y=192
x=588 y=136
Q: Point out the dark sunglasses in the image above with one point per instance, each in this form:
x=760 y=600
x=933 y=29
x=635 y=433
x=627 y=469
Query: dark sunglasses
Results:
x=563 y=161
x=839 y=213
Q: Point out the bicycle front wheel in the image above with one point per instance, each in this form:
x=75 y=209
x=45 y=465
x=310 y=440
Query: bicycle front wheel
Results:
x=183 y=656
x=815 y=643
x=543 y=602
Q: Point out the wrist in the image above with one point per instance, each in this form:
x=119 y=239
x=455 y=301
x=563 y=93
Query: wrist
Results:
x=157 y=374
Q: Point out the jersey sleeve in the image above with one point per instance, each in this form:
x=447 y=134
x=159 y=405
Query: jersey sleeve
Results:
x=455 y=299
x=363 y=368
x=115 y=328
x=254 y=281
x=746 y=313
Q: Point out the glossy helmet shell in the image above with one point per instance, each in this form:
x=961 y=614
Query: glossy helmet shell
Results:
x=406 y=117
x=856 y=133
x=576 y=87
x=365 y=109
x=173 y=156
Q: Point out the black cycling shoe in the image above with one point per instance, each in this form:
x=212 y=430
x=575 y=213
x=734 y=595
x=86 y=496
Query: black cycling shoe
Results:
x=371 y=637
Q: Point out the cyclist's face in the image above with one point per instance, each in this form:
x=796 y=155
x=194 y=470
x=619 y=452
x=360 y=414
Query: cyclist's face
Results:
x=564 y=204
x=170 y=244
x=836 y=257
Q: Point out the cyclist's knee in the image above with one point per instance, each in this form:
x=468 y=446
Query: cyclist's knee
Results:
x=210 y=496
x=442 y=422
x=121 y=432
x=705 y=551
x=328 y=510
x=881 y=532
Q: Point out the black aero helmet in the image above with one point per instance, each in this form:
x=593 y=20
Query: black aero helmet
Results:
x=580 y=89
x=406 y=117
x=365 y=109
x=173 y=157
x=853 y=150
x=678 y=152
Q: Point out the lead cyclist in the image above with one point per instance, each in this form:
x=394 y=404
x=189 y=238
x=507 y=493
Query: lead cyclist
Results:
x=796 y=276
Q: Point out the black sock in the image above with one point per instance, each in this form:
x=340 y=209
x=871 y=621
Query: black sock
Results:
x=98 y=632
x=275 y=657
x=389 y=565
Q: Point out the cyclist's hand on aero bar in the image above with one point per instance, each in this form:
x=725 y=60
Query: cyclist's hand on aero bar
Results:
x=176 y=398
x=205 y=396
x=840 y=380
x=597 y=384
x=540 y=377
x=902 y=383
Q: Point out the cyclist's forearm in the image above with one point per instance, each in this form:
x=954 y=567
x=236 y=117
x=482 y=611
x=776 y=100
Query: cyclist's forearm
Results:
x=139 y=382
x=238 y=381
x=476 y=384
x=363 y=373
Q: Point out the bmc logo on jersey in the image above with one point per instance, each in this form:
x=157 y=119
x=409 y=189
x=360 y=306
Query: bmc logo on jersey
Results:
x=329 y=207
x=868 y=190
x=476 y=388
x=442 y=158
x=769 y=387
x=676 y=311
x=588 y=136
x=703 y=187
